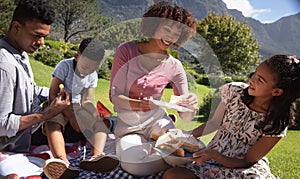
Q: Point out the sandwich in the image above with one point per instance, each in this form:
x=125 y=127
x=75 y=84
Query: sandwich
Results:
x=178 y=143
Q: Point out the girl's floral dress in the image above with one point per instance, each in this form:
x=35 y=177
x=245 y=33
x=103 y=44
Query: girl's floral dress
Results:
x=236 y=135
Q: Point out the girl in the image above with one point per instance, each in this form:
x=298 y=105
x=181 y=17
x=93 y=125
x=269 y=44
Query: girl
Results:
x=140 y=72
x=250 y=120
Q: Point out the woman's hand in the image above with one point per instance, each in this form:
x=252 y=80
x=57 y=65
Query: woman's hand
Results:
x=191 y=102
x=146 y=104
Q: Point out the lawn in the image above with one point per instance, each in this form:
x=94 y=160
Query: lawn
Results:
x=284 y=158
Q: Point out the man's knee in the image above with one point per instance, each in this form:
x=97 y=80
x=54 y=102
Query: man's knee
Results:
x=52 y=127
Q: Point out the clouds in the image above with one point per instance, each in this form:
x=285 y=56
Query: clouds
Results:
x=266 y=11
x=245 y=7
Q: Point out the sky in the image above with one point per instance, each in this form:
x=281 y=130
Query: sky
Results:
x=266 y=11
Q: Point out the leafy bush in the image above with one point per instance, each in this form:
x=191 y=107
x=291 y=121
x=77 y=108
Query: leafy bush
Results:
x=105 y=68
x=203 y=80
x=104 y=72
x=61 y=45
x=55 y=51
x=209 y=104
x=69 y=54
x=241 y=78
x=219 y=80
x=48 y=57
x=52 y=44
x=213 y=80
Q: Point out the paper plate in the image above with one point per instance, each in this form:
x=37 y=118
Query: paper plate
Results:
x=174 y=160
x=171 y=106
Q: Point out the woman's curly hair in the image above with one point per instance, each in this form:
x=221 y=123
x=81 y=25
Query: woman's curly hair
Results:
x=164 y=12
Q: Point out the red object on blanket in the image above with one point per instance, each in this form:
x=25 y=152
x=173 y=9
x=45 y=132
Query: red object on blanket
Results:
x=11 y=176
x=102 y=110
x=44 y=156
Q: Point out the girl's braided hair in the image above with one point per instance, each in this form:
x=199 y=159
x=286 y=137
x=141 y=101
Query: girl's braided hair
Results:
x=281 y=112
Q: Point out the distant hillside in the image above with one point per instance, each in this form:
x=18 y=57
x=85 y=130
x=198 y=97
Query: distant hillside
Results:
x=281 y=36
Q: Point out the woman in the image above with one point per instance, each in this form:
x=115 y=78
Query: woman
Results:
x=140 y=72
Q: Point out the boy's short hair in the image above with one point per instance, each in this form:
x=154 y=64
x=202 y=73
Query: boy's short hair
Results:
x=92 y=49
x=28 y=10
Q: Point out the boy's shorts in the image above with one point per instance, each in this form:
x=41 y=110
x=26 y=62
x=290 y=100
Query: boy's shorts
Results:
x=87 y=122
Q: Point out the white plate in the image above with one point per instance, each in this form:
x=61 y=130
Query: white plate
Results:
x=171 y=106
x=170 y=158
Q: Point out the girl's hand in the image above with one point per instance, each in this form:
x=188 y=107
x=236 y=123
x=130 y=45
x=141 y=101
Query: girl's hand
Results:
x=191 y=102
x=203 y=155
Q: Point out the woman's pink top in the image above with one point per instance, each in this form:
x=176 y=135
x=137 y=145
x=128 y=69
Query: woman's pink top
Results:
x=131 y=79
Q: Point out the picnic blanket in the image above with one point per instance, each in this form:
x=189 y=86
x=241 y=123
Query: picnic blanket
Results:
x=75 y=152
x=118 y=173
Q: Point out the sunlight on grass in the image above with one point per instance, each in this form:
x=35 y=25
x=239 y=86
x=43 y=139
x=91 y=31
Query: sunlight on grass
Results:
x=42 y=73
x=285 y=156
x=102 y=94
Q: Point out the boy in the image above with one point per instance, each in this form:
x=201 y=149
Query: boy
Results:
x=79 y=77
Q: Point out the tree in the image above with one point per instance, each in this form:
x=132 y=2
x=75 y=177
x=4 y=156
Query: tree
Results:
x=77 y=19
x=119 y=33
x=6 y=11
x=232 y=42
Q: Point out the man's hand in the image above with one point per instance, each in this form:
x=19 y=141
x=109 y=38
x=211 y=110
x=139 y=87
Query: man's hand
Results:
x=61 y=102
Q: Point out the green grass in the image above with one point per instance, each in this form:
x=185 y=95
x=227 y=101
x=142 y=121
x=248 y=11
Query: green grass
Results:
x=42 y=73
x=284 y=157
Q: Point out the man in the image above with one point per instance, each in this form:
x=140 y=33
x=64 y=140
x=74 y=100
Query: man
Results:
x=20 y=97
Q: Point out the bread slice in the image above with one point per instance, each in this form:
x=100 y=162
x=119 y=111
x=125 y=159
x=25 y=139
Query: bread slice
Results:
x=178 y=142
x=174 y=99
x=189 y=142
x=156 y=133
x=171 y=149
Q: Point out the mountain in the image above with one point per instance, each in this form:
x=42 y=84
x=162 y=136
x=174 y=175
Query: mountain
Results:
x=285 y=34
x=281 y=36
